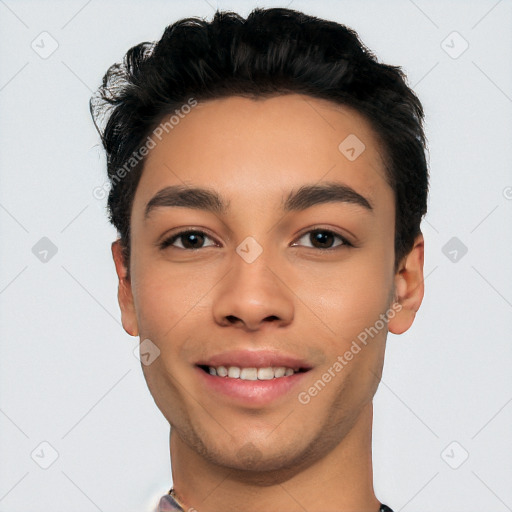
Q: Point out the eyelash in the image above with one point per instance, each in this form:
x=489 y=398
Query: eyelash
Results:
x=168 y=242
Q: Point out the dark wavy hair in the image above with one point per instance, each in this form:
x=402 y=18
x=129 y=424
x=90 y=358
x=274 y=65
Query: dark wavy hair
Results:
x=271 y=52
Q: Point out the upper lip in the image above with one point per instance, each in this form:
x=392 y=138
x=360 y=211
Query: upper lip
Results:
x=255 y=359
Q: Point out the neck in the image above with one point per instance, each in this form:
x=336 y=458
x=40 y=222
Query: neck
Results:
x=340 y=481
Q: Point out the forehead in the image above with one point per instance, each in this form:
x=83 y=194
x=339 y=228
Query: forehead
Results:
x=255 y=151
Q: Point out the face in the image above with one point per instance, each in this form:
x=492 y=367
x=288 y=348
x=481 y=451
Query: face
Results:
x=262 y=274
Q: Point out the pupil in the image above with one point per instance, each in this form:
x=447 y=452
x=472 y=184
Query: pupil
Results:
x=194 y=240
x=323 y=237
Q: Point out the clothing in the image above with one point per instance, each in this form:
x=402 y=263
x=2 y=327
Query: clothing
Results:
x=169 y=504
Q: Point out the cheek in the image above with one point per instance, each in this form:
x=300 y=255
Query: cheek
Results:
x=168 y=297
x=350 y=301
x=156 y=310
x=349 y=297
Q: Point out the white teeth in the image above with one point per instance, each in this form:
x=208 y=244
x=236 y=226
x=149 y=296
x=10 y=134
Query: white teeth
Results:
x=234 y=372
x=265 y=373
x=279 y=372
x=222 y=371
x=249 y=373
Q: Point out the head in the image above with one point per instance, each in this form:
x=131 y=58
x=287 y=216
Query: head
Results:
x=268 y=180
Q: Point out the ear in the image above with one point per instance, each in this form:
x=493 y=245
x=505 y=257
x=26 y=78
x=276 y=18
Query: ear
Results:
x=409 y=288
x=124 y=291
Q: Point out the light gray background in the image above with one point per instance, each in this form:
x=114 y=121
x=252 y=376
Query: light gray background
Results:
x=68 y=375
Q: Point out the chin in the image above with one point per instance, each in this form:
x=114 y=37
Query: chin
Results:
x=258 y=462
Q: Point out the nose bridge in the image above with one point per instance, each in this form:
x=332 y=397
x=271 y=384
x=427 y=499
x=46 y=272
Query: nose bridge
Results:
x=252 y=292
x=251 y=268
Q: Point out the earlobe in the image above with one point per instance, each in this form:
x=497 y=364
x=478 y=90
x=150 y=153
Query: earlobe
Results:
x=124 y=292
x=409 y=288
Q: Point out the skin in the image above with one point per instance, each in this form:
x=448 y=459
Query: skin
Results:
x=286 y=456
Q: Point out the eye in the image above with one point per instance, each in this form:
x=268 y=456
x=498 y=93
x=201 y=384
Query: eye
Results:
x=324 y=239
x=195 y=239
x=190 y=239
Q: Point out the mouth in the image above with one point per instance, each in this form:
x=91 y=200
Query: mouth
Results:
x=251 y=373
x=251 y=378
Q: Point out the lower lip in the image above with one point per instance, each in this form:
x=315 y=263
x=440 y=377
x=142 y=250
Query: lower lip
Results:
x=251 y=392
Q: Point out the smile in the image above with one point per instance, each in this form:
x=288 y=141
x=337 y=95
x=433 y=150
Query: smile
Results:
x=251 y=373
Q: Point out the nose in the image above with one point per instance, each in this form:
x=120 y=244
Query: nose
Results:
x=253 y=295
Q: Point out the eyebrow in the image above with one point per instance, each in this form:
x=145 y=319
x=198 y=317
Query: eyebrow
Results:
x=202 y=198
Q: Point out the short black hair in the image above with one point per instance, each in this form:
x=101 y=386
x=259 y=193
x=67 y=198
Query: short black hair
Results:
x=272 y=52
